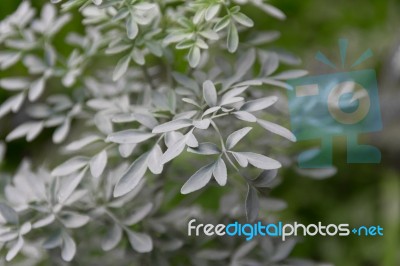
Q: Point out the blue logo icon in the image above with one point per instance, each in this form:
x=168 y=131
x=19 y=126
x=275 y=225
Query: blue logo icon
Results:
x=343 y=103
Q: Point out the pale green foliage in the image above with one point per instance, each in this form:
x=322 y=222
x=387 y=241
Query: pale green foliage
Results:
x=131 y=117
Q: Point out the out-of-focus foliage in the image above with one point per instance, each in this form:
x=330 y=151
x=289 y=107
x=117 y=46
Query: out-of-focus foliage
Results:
x=145 y=82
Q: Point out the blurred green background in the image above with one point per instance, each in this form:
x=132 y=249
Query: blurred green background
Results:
x=357 y=194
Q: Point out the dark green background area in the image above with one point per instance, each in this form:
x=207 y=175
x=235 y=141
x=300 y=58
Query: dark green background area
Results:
x=357 y=194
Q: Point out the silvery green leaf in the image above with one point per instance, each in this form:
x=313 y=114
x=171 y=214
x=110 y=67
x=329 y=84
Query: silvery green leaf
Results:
x=288 y=58
x=120 y=202
x=244 y=65
x=283 y=250
x=232 y=100
x=34 y=131
x=131 y=28
x=12 y=104
x=241 y=159
x=68 y=247
x=172 y=137
x=211 y=110
x=75 y=196
x=19 y=44
x=210 y=93
x=191 y=140
x=13 y=251
x=70 y=166
x=154 y=160
x=222 y=23
x=53 y=241
x=122 y=67
x=220 y=172
x=212 y=11
x=25 y=228
x=259 y=104
x=175 y=37
x=140 y=242
x=290 y=74
x=8 y=235
x=100 y=104
x=155 y=48
x=243 y=250
x=202 y=124
x=245 y=116
x=147 y=120
x=36 y=89
x=243 y=19
x=261 y=161
x=264 y=37
x=199 y=16
x=58 y=24
x=199 y=179
x=139 y=214
x=60 y=99
x=61 y=132
x=277 y=129
x=50 y=55
x=126 y=149
x=9 y=59
x=233 y=93
x=321 y=173
x=185 y=44
x=123 y=118
x=252 y=204
x=209 y=34
x=273 y=11
x=98 y=163
x=172 y=125
x=121 y=14
x=188 y=100
x=112 y=238
x=28 y=128
x=201 y=44
x=131 y=178
x=68 y=185
x=194 y=56
x=265 y=178
x=185 y=115
x=171 y=96
x=236 y=136
x=269 y=63
x=40 y=111
x=14 y=84
x=277 y=83
x=145 y=6
x=232 y=38
x=186 y=81
x=103 y=123
x=118 y=49
x=54 y=121
x=129 y=136
x=138 y=56
x=44 y=221
x=8 y=215
x=73 y=219
x=205 y=148
x=80 y=144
